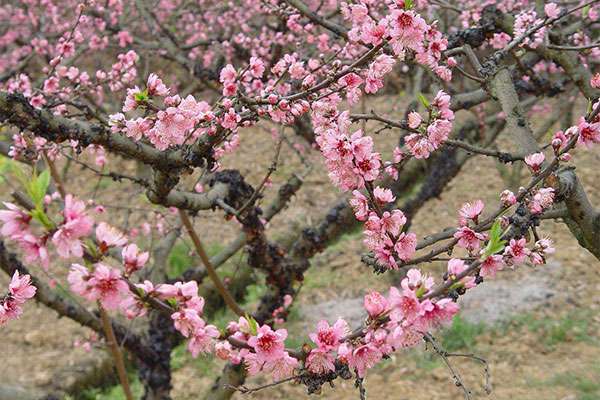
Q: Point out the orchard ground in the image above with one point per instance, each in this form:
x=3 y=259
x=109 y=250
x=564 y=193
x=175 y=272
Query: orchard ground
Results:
x=537 y=328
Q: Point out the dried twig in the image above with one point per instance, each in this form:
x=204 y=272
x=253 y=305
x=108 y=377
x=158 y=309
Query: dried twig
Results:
x=227 y=297
x=115 y=352
x=245 y=390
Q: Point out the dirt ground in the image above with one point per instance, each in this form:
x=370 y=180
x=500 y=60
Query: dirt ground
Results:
x=540 y=337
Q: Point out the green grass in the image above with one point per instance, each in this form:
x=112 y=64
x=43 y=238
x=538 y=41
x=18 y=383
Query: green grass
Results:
x=254 y=292
x=461 y=335
x=426 y=362
x=180 y=258
x=572 y=327
x=586 y=387
x=104 y=183
x=204 y=364
x=110 y=393
x=296 y=341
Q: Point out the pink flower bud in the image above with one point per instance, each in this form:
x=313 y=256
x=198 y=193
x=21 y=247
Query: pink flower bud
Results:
x=375 y=304
x=508 y=198
x=565 y=157
x=284 y=105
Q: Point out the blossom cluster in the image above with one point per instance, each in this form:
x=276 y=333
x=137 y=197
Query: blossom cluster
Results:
x=353 y=165
x=350 y=158
x=71 y=238
x=182 y=121
x=523 y=22
x=382 y=35
x=65 y=236
x=65 y=83
x=432 y=134
x=20 y=290
x=397 y=321
x=187 y=320
x=171 y=126
x=514 y=253
x=588 y=132
x=103 y=283
x=394 y=322
x=403 y=29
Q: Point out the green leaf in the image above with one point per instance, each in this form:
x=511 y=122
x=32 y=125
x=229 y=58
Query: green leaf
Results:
x=585 y=11
x=408 y=4
x=92 y=248
x=43 y=181
x=496 y=231
x=494 y=248
x=39 y=215
x=423 y=100
x=252 y=324
x=172 y=302
x=495 y=243
x=141 y=97
x=37 y=188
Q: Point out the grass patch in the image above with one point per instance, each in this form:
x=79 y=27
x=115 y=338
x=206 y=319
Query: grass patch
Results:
x=204 y=364
x=254 y=292
x=104 y=183
x=461 y=335
x=297 y=341
x=587 y=387
x=573 y=327
x=181 y=258
x=353 y=232
x=426 y=362
x=112 y=392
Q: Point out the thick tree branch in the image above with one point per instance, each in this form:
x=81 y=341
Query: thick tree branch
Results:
x=584 y=220
x=16 y=110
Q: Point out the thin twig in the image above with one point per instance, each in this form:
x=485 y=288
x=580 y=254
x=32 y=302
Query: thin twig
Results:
x=573 y=48
x=549 y=21
x=272 y=169
x=444 y=356
x=227 y=297
x=244 y=390
x=112 y=175
x=501 y=155
x=115 y=352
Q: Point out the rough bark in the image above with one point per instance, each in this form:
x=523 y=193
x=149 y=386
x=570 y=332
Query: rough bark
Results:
x=583 y=220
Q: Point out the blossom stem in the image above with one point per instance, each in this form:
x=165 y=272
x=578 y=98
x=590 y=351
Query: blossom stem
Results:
x=115 y=352
x=212 y=273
